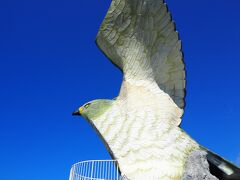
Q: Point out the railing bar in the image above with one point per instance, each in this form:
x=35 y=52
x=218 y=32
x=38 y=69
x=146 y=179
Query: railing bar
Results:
x=81 y=170
x=103 y=171
x=108 y=175
x=108 y=170
x=112 y=170
x=117 y=172
x=109 y=167
x=103 y=168
x=75 y=172
x=98 y=170
x=106 y=166
x=70 y=178
x=112 y=176
x=92 y=169
x=84 y=170
x=86 y=174
x=74 y=169
x=87 y=169
x=82 y=165
x=71 y=172
x=95 y=170
x=77 y=169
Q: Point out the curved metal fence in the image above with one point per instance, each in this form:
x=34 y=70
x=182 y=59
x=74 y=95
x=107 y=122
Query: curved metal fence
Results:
x=95 y=170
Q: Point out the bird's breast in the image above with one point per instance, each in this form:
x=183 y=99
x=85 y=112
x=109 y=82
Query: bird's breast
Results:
x=143 y=144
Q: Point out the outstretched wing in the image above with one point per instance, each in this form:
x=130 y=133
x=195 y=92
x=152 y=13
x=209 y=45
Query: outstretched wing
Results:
x=139 y=37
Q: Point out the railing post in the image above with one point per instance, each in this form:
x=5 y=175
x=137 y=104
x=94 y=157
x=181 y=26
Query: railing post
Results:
x=71 y=173
x=92 y=170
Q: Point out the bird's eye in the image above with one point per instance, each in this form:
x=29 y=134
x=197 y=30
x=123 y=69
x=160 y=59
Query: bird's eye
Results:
x=87 y=105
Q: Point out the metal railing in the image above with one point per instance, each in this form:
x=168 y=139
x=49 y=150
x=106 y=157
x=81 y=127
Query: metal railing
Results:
x=95 y=170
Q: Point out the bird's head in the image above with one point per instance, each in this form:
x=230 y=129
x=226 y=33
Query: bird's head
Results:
x=93 y=109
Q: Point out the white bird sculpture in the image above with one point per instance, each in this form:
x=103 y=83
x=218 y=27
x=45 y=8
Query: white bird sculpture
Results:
x=140 y=127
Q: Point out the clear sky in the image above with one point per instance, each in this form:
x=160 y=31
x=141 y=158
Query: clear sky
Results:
x=50 y=65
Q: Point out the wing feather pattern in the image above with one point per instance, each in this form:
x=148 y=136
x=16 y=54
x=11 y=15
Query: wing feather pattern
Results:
x=139 y=37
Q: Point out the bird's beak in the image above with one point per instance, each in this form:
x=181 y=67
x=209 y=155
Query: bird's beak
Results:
x=76 y=113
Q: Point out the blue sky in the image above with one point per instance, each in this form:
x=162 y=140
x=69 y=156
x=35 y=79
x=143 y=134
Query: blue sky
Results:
x=49 y=65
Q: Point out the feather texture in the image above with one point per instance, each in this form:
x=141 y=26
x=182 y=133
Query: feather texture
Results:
x=139 y=37
x=144 y=144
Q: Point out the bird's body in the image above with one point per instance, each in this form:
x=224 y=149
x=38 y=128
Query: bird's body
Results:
x=152 y=148
x=140 y=127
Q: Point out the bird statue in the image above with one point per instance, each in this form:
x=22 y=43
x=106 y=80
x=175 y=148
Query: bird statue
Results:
x=141 y=126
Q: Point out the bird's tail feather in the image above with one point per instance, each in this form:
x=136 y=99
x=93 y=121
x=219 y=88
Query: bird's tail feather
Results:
x=221 y=168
